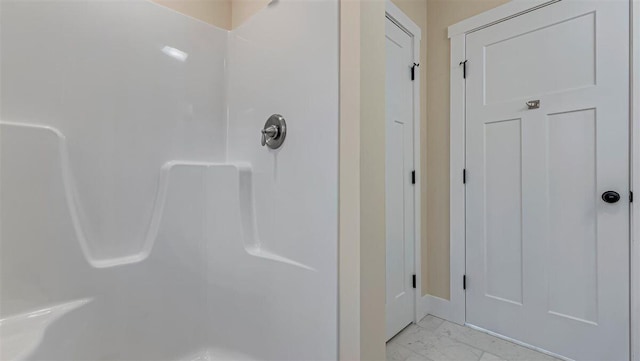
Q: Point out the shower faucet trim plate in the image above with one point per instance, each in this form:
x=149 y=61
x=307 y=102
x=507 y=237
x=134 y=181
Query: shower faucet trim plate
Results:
x=274 y=132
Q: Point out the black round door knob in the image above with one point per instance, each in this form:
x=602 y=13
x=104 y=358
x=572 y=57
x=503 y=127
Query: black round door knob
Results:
x=610 y=196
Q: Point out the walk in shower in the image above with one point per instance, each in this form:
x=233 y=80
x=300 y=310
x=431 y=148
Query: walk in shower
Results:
x=141 y=217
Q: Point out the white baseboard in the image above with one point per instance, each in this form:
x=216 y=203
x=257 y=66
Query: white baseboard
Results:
x=523 y=344
x=421 y=308
x=441 y=308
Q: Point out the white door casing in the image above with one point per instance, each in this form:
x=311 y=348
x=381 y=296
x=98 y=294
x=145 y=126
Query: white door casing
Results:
x=399 y=196
x=547 y=259
x=635 y=170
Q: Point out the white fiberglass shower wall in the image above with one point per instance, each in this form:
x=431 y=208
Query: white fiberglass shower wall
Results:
x=141 y=219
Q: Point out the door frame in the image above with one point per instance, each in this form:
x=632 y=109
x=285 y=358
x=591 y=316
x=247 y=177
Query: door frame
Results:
x=454 y=309
x=635 y=181
x=393 y=13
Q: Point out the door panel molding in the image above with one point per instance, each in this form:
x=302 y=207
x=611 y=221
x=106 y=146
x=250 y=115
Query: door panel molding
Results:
x=635 y=180
x=454 y=309
x=395 y=15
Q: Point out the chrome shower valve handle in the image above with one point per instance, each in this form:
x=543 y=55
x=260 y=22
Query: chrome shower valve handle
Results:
x=270 y=132
x=274 y=132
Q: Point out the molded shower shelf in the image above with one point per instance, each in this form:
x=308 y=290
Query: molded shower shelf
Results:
x=202 y=232
x=237 y=177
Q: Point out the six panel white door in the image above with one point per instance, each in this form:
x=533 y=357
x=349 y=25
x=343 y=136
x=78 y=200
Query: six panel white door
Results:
x=400 y=295
x=547 y=258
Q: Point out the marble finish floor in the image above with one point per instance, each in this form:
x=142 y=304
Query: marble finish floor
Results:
x=434 y=339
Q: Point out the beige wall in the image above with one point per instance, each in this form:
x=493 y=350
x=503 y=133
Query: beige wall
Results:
x=215 y=12
x=440 y=14
x=362 y=212
x=349 y=187
x=226 y=14
x=241 y=10
x=362 y=201
x=372 y=180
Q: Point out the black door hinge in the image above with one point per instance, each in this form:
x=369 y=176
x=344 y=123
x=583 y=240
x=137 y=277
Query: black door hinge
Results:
x=464 y=176
x=413 y=71
x=413 y=177
x=413 y=281
x=464 y=282
x=630 y=197
x=464 y=69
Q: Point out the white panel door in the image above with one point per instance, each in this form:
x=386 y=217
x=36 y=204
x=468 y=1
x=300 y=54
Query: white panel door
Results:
x=547 y=257
x=400 y=295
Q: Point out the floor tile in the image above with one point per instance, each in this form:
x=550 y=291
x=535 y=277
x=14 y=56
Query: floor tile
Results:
x=499 y=347
x=490 y=357
x=430 y=323
x=396 y=352
x=434 y=339
x=436 y=346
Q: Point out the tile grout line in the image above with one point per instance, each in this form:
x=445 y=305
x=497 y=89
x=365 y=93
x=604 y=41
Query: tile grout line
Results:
x=492 y=352
x=412 y=351
x=434 y=331
x=482 y=355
